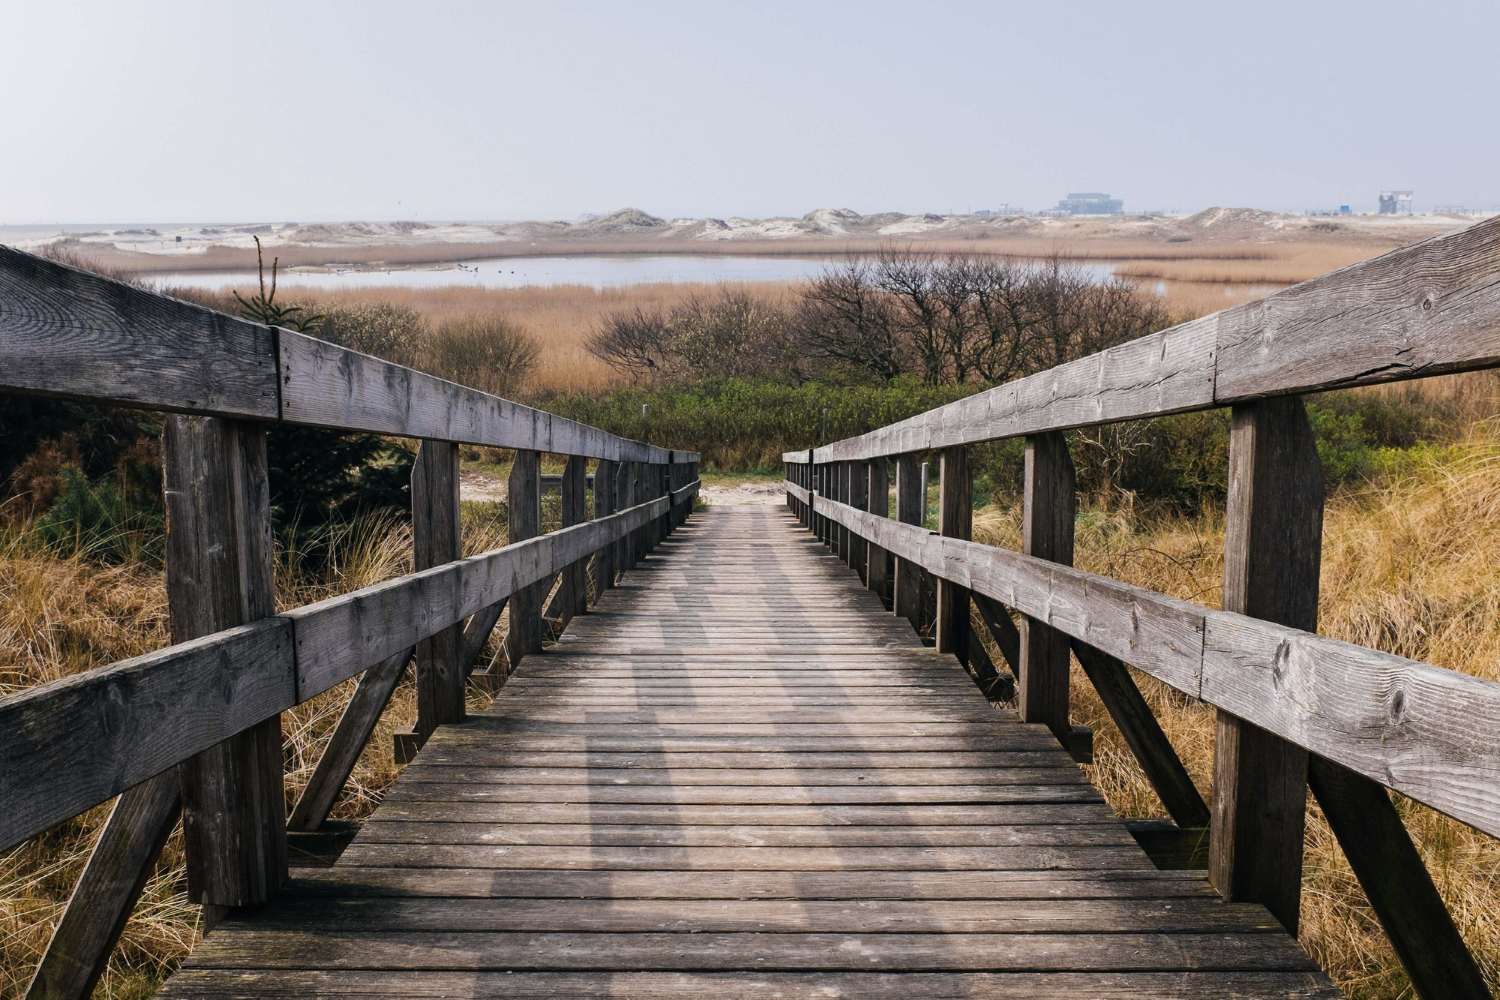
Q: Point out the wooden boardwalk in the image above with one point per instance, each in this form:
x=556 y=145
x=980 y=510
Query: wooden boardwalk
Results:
x=741 y=776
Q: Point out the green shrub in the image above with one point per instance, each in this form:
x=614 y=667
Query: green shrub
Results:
x=95 y=520
x=745 y=424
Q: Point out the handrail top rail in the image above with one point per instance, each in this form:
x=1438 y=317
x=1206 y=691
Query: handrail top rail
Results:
x=69 y=333
x=1427 y=309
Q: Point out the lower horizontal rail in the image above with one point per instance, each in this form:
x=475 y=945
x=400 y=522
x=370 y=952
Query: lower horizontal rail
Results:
x=1417 y=729
x=71 y=744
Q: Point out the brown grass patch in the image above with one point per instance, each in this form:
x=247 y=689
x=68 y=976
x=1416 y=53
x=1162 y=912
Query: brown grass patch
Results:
x=1407 y=568
x=63 y=616
x=561 y=317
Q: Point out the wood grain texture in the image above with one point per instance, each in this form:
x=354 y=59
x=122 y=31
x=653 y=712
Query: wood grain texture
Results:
x=1166 y=372
x=605 y=569
x=79 y=741
x=1159 y=635
x=325 y=385
x=524 y=506
x=1272 y=553
x=908 y=582
x=1429 y=308
x=878 y=502
x=339 y=637
x=104 y=896
x=1397 y=884
x=1050 y=509
x=221 y=570
x=67 y=332
x=1422 y=310
x=1421 y=730
x=955 y=520
x=432 y=985
x=437 y=538
x=573 y=585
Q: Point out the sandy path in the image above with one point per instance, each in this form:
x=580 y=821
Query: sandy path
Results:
x=476 y=485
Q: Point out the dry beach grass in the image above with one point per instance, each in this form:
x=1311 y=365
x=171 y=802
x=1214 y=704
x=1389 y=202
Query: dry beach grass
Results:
x=1408 y=567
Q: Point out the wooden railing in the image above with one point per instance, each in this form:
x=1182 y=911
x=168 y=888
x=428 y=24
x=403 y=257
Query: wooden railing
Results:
x=194 y=729
x=1295 y=709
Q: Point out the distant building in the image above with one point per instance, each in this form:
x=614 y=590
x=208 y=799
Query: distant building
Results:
x=1395 y=203
x=985 y=211
x=1090 y=203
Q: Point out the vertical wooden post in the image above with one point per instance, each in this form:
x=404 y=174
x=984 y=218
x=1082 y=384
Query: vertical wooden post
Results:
x=955 y=520
x=640 y=492
x=846 y=495
x=221 y=573
x=1272 y=553
x=622 y=501
x=1047 y=532
x=525 y=503
x=810 y=482
x=923 y=492
x=908 y=598
x=819 y=525
x=575 y=510
x=859 y=499
x=878 y=502
x=604 y=505
x=436 y=539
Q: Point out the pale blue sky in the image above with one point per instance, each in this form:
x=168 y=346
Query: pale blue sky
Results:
x=162 y=112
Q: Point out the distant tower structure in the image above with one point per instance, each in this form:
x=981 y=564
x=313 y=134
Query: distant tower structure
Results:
x=1395 y=203
x=1090 y=203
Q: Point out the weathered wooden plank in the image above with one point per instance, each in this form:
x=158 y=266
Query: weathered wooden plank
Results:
x=506 y=985
x=221 y=573
x=1425 y=309
x=1421 y=310
x=909 y=503
x=525 y=521
x=1166 y=372
x=1272 y=552
x=955 y=520
x=929 y=816
x=1420 y=730
x=437 y=540
x=1051 y=505
x=773 y=916
x=911 y=952
x=590 y=834
x=1133 y=883
x=79 y=741
x=677 y=858
x=878 y=502
x=339 y=637
x=104 y=895
x=1057 y=770
x=1157 y=634
x=67 y=332
x=1397 y=884
x=750 y=795
x=325 y=385
x=1001 y=628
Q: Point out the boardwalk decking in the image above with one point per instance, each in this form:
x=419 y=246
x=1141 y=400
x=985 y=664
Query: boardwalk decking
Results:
x=740 y=776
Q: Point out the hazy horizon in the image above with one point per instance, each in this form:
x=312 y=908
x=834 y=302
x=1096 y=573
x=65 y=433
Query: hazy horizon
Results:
x=173 y=113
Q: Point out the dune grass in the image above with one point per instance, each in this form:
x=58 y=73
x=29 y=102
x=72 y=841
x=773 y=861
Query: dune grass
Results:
x=1408 y=567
